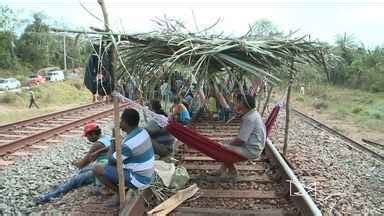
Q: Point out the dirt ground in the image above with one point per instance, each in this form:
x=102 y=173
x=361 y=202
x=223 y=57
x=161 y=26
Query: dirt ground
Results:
x=347 y=126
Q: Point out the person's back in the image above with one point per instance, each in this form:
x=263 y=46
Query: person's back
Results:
x=253 y=132
x=138 y=156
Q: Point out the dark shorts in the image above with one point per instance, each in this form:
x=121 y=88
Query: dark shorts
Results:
x=110 y=172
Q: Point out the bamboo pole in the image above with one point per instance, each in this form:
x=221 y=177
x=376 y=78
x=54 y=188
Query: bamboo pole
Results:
x=287 y=110
x=267 y=100
x=116 y=114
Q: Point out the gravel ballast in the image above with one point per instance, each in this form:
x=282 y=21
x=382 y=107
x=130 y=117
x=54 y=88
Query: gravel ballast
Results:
x=347 y=181
x=28 y=177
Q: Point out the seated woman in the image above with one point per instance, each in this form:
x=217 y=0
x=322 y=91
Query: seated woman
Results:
x=180 y=112
x=252 y=135
x=162 y=141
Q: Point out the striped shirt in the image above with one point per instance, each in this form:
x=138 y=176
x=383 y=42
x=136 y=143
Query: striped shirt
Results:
x=138 y=157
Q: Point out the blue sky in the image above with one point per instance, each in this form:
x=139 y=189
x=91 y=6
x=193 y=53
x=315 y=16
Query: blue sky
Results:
x=322 y=19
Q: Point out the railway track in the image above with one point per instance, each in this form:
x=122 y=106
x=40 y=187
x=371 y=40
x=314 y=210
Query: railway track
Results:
x=266 y=186
x=353 y=144
x=24 y=133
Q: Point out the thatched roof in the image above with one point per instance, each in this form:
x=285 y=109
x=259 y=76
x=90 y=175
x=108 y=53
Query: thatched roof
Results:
x=142 y=57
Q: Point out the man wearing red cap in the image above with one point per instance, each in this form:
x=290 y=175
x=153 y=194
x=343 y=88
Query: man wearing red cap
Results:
x=85 y=176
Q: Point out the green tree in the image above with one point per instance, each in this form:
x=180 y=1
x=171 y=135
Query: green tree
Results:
x=8 y=22
x=33 y=44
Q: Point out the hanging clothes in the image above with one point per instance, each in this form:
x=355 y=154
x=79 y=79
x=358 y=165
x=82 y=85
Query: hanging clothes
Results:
x=98 y=79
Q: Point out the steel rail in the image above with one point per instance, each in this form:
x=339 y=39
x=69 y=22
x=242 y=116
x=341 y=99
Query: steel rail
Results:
x=44 y=117
x=302 y=198
x=354 y=144
x=29 y=140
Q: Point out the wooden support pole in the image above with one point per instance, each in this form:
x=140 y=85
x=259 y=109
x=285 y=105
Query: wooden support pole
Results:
x=267 y=100
x=287 y=111
x=116 y=114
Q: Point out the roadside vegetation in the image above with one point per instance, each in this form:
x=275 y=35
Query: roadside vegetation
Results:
x=49 y=96
x=365 y=109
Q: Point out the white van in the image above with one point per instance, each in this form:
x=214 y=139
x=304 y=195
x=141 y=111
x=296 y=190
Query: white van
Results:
x=55 y=75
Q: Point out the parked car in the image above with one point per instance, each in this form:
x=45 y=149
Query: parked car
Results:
x=55 y=75
x=10 y=83
x=36 y=80
x=52 y=73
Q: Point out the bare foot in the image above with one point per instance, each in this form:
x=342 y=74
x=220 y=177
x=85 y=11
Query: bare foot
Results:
x=102 y=191
x=112 y=202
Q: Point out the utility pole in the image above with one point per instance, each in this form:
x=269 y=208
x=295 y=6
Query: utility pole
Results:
x=65 y=54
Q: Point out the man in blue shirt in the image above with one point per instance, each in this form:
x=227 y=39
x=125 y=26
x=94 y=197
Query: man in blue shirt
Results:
x=136 y=152
x=97 y=153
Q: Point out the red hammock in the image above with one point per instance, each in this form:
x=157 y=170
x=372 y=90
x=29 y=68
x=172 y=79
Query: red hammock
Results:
x=209 y=147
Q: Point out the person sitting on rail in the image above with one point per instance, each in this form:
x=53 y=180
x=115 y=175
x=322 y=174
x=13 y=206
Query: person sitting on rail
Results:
x=179 y=111
x=97 y=154
x=162 y=141
x=137 y=155
x=250 y=142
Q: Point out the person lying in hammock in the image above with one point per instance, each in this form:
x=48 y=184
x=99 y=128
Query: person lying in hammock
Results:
x=252 y=134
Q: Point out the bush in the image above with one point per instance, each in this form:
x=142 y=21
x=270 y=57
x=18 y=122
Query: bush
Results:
x=377 y=115
x=320 y=104
x=357 y=110
x=8 y=98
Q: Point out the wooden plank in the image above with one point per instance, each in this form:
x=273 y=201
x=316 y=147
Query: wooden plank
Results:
x=4 y=163
x=239 y=194
x=170 y=204
x=197 y=158
x=220 y=134
x=11 y=135
x=218 y=179
x=21 y=153
x=34 y=128
x=39 y=147
x=25 y=132
x=204 y=158
x=133 y=204
x=188 y=211
x=53 y=141
x=6 y=140
x=257 y=167
x=212 y=131
x=67 y=135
